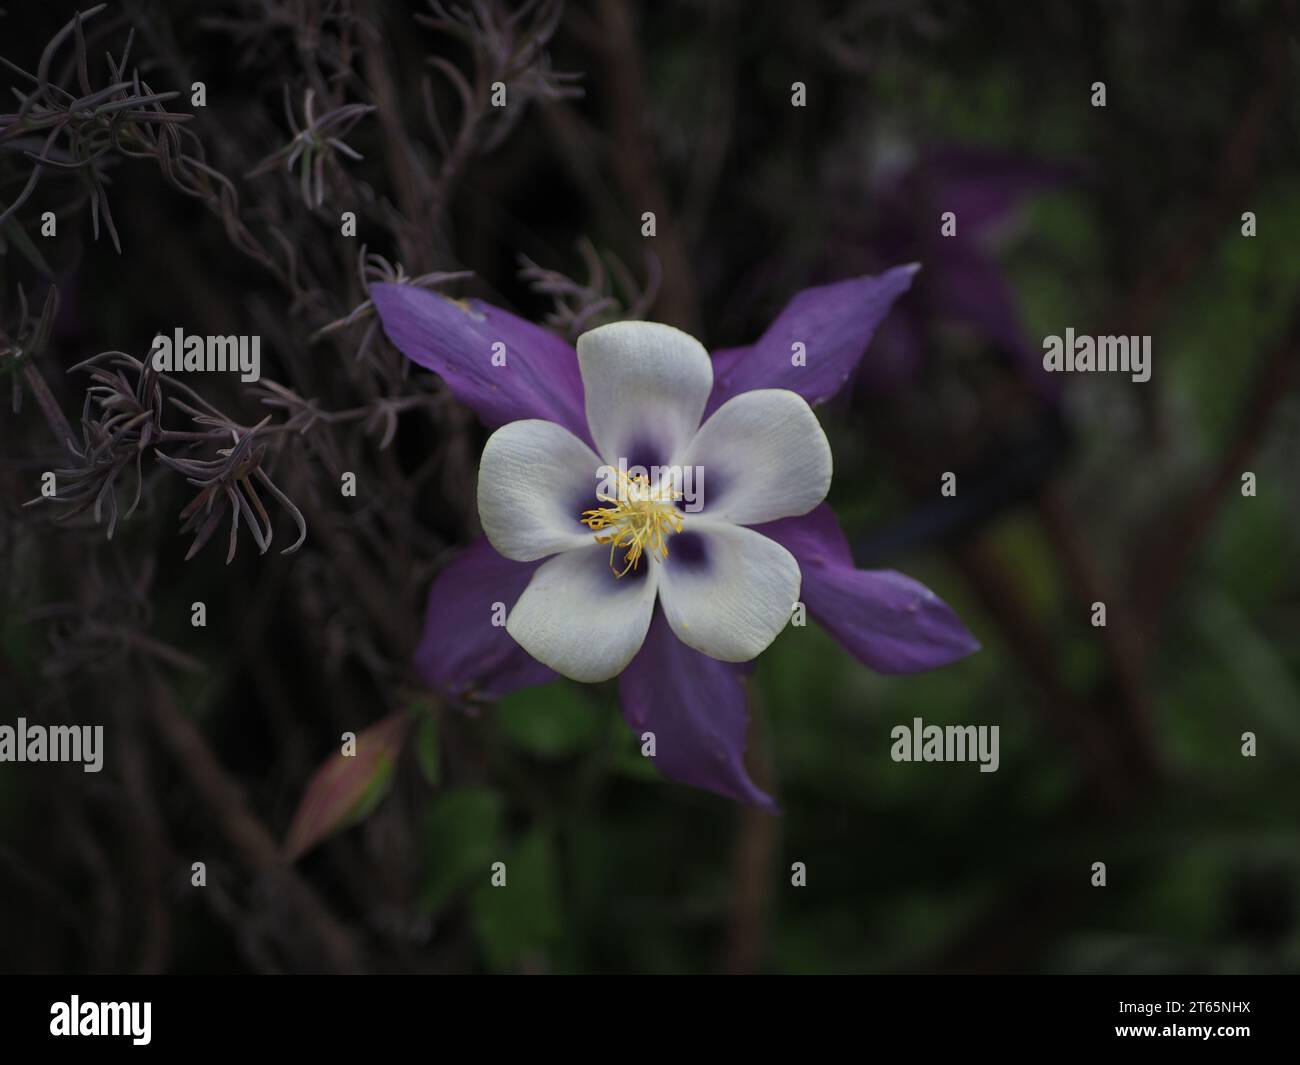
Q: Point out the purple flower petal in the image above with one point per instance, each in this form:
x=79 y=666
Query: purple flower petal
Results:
x=891 y=622
x=898 y=352
x=455 y=340
x=963 y=281
x=982 y=187
x=695 y=706
x=835 y=323
x=971 y=288
x=461 y=651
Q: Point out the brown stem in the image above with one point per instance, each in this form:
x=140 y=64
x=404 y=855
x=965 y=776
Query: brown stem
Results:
x=635 y=166
x=413 y=188
x=756 y=838
x=1108 y=778
x=256 y=848
x=1171 y=544
x=58 y=424
x=152 y=853
x=1235 y=169
x=1119 y=636
x=388 y=612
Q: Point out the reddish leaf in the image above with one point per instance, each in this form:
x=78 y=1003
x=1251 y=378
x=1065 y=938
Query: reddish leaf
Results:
x=346 y=788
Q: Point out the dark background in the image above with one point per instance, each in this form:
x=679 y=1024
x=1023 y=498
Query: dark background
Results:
x=1120 y=744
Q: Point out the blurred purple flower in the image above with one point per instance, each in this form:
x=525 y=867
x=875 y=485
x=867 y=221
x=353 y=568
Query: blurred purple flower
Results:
x=963 y=284
x=695 y=704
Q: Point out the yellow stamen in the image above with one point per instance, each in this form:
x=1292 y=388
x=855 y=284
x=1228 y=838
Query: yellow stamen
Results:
x=642 y=518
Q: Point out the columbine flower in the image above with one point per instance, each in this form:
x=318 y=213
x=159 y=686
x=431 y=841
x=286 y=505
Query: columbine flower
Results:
x=965 y=285
x=724 y=589
x=617 y=577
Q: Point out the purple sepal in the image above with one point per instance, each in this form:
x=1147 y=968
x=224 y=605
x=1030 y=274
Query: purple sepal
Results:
x=834 y=323
x=535 y=375
x=461 y=651
x=887 y=620
x=697 y=710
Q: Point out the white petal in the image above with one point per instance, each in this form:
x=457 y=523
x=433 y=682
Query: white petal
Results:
x=646 y=385
x=727 y=590
x=534 y=481
x=763 y=455
x=578 y=618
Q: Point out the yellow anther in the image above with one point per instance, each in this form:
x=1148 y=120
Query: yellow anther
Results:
x=642 y=518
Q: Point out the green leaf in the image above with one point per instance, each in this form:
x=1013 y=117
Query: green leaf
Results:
x=517 y=921
x=626 y=758
x=428 y=751
x=461 y=833
x=1267 y=693
x=554 y=721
